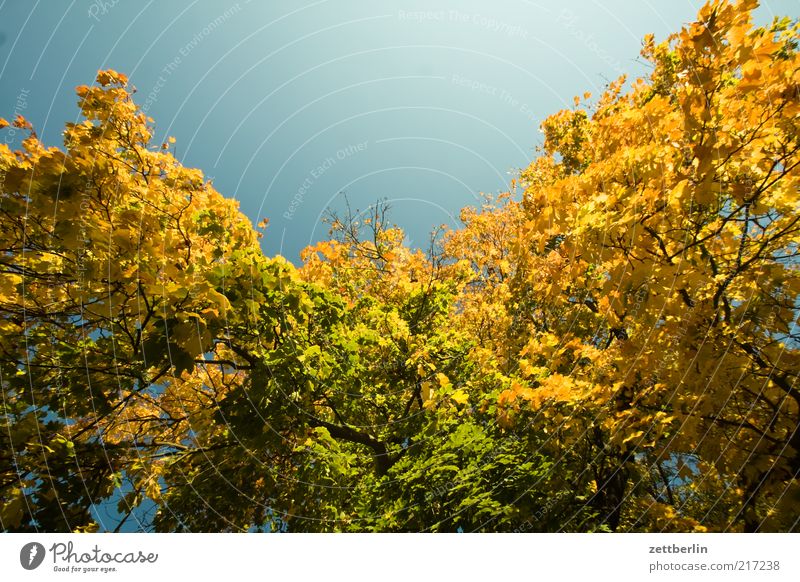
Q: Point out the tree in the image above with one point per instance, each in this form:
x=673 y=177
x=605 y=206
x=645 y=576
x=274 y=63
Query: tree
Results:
x=656 y=268
x=113 y=258
x=611 y=345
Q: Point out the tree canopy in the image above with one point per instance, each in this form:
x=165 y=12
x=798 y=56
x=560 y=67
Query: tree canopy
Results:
x=611 y=345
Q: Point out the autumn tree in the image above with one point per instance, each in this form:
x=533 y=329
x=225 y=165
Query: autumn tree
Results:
x=152 y=355
x=656 y=270
x=113 y=259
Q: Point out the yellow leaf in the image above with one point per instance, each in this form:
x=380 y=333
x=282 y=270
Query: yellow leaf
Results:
x=460 y=397
x=153 y=489
x=427 y=391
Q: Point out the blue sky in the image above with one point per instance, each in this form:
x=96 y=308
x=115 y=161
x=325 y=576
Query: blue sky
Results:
x=288 y=104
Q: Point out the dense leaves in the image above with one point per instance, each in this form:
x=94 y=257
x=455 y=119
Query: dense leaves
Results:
x=611 y=345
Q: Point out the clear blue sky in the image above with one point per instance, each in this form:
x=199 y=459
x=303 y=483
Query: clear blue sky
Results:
x=288 y=103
